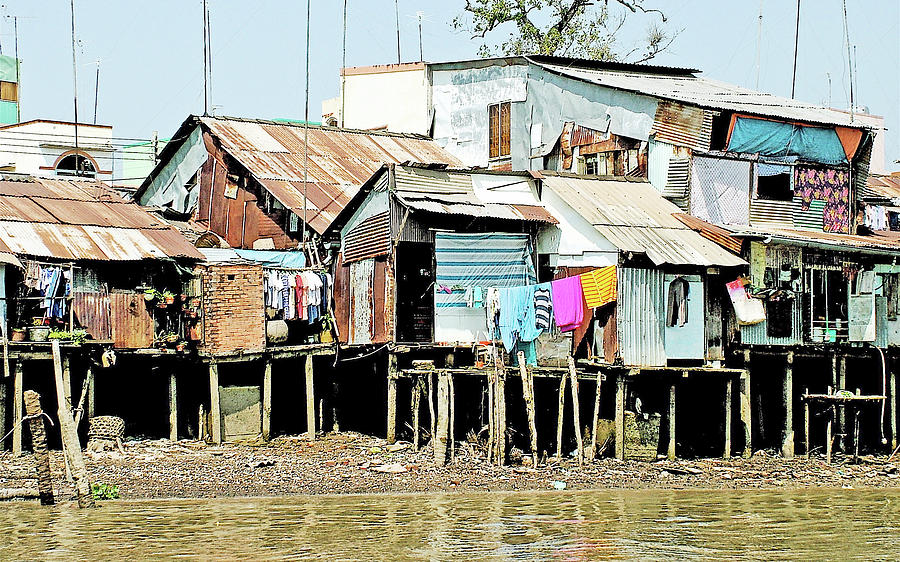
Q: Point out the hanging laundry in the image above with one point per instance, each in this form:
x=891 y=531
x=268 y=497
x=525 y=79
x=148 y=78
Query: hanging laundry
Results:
x=749 y=311
x=517 y=320
x=542 y=306
x=677 y=308
x=568 y=303
x=599 y=286
x=528 y=349
x=492 y=303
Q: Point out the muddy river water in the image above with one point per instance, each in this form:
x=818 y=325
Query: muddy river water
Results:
x=673 y=524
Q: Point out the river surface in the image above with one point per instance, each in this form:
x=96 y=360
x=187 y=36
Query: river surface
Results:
x=652 y=524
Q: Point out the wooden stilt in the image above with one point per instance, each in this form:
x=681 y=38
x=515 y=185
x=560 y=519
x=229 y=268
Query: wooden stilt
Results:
x=893 y=407
x=671 y=449
x=559 y=416
x=215 y=412
x=392 y=398
x=528 y=392
x=71 y=445
x=729 y=389
x=92 y=393
x=452 y=438
x=310 y=397
x=492 y=416
x=620 y=416
x=856 y=431
x=18 y=407
x=335 y=403
x=430 y=388
x=842 y=430
x=787 y=443
x=173 y=407
x=67 y=381
x=416 y=394
x=267 y=400
x=201 y=423
x=4 y=391
x=806 y=440
x=828 y=428
x=595 y=421
x=746 y=413
x=576 y=410
x=39 y=446
x=500 y=427
x=439 y=441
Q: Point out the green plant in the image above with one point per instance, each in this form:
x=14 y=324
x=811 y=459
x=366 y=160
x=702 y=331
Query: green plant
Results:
x=77 y=336
x=102 y=491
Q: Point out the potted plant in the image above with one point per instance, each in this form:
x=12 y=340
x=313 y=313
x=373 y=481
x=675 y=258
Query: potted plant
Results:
x=38 y=331
x=179 y=347
x=19 y=334
x=150 y=295
x=168 y=297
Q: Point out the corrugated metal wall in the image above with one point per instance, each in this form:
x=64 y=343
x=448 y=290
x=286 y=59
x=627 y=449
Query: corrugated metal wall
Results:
x=756 y=334
x=887 y=332
x=131 y=324
x=810 y=219
x=773 y=214
x=641 y=315
x=658 y=155
x=683 y=125
x=370 y=238
x=362 y=280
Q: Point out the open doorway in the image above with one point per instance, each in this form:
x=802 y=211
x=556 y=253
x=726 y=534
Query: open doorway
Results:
x=415 y=293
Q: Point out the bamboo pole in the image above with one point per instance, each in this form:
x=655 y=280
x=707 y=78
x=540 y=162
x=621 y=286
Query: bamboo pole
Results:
x=528 y=393
x=595 y=422
x=576 y=410
x=39 y=446
x=559 y=416
x=71 y=445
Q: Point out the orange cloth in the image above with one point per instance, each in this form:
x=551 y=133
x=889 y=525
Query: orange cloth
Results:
x=599 y=286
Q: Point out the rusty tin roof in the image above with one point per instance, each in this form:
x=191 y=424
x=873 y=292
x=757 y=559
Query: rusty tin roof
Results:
x=81 y=219
x=337 y=164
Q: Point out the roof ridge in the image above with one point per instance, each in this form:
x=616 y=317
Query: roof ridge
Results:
x=260 y=121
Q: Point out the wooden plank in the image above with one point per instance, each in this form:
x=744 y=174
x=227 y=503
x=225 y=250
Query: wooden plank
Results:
x=576 y=410
x=173 y=406
x=620 y=417
x=71 y=445
x=92 y=393
x=18 y=407
x=267 y=401
x=729 y=389
x=310 y=397
x=443 y=418
x=215 y=412
x=559 y=416
x=671 y=418
x=842 y=430
x=806 y=425
x=392 y=398
x=500 y=404
x=746 y=413
x=595 y=422
x=528 y=393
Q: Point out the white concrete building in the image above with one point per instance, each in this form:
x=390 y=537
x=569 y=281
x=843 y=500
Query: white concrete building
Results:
x=47 y=148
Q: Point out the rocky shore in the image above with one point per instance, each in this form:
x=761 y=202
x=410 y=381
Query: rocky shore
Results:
x=350 y=463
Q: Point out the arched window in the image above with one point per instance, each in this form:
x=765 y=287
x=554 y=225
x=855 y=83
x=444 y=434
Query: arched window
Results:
x=76 y=165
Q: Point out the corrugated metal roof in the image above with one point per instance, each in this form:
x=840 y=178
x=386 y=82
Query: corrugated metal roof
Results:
x=74 y=219
x=634 y=217
x=339 y=161
x=710 y=231
x=882 y=186
x=452 y=193
x=702 y=92
x=881 y=240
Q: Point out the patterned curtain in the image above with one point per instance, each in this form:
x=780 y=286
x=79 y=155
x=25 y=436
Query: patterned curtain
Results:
x=828 y=185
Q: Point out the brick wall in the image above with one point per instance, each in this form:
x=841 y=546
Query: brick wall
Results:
x=233 y=314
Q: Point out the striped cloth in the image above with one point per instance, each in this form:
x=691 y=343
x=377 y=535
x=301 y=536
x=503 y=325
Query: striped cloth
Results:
x=542 y=306
x=479 y=260
x=599 y=286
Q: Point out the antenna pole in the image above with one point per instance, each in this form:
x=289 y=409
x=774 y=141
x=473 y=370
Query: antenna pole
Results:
x=74 y=88
x=205 y=65
x=209 y=56
x=759 y=41
x=796 y=45
x=849 y=59
x=344 y=65
x=306 y=135
x=18 y=77
x=397 y=14
x=96 y=91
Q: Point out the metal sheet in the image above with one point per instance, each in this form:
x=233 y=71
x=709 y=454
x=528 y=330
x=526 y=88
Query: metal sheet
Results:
x=641 y=315
x=757 y=334
x=362 y=278
x=371 y=238
x=635 y=218
x=92 y=313
x=779 y=214
x=683 y=125
x=717 y=234
x=131 y=324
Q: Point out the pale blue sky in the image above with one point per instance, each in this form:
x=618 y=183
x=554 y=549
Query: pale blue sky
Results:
x=151 y=53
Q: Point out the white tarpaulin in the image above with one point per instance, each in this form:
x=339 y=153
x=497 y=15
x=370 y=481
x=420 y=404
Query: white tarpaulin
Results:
x=720 y=190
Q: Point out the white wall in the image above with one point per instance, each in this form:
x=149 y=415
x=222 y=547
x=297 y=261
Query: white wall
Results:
x=33 y=147
x=397 y=99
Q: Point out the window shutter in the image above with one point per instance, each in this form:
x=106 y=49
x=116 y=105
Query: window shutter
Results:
x=504 y=129
x=494 y=130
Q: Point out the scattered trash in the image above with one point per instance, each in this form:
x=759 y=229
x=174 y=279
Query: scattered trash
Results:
x=260 y=464
x=390 y=468
x=559 y=485
x=396 y=447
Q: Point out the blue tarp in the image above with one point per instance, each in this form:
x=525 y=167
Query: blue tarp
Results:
x=275 y=258
x=772 y=138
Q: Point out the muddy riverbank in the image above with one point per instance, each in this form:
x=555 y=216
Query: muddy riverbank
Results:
x=350 y=463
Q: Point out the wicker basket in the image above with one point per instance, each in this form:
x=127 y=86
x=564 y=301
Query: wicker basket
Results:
x=106 y=427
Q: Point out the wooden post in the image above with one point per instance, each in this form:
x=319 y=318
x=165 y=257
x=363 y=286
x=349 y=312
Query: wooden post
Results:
x=452 y=438
x=335 y=405
x=595 y=422
x=392 y=398
x=39 y=446
x=500 y=426
x=91 y=393
x=559 y=416
x=79 y=411
x=71 y=445
x=576 y=410
x=67 y=381
x=806 y=441
x=215 y=412
x=310 y=397
x=267 y=400
x=856 y=431
x=443 y=418
x=620 y=416
x=828 y=437
x=787 y=433
x=173 y=406
x=18 y=407
x=671 y=449
x=415 y=396
x=844 y=440
x=528 y=393
x=893 y=408
x=729 y=389
x=746 y=413
x=430 y=387
x=492 y=415
x=4 y=387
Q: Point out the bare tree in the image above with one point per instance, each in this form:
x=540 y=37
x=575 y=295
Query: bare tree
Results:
x=577 y=28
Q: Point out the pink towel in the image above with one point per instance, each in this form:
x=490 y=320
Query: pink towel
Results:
x=568 y=303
